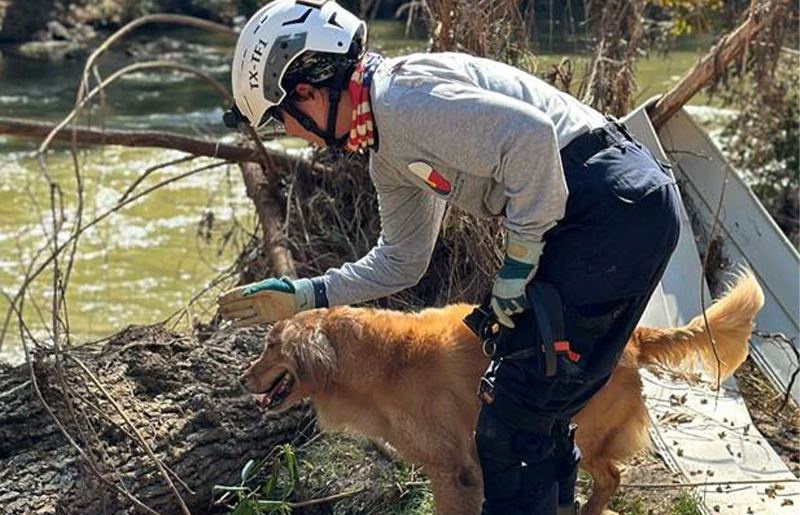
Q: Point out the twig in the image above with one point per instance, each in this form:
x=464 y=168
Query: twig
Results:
x=151 y=170
x=703 y=282
x=412 y=484
x=790 y=342
x=58 y=305
x=28 y=279
x=116 y=76
x=222 y=277
x=14 y=390
x=135 y=430
x=114 y=423
x=72 y=442
x=330 y=498
x=157 y=139
x=144 y=20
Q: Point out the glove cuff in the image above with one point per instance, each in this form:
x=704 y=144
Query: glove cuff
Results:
x=320 y=292
x=522 y=250
x=304 y=294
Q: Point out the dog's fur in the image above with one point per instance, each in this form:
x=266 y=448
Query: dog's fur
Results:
x=411 y=379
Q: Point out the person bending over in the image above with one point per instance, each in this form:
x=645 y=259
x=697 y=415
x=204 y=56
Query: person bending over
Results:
x=590 y=219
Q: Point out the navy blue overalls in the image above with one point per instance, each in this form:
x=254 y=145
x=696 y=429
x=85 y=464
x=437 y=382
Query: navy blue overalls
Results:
x=604 y=258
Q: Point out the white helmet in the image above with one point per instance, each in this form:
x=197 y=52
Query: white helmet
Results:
x=272 y=41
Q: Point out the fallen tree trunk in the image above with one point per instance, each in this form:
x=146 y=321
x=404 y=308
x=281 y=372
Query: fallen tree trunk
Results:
x=39 y=130
x=713 y=64
x=181 y=394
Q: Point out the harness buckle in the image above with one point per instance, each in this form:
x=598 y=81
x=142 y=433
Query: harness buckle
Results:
x=484 y=325
x=486 y=390
x=489 y=347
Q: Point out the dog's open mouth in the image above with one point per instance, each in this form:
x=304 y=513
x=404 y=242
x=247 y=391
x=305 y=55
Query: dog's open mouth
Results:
x=273 y=397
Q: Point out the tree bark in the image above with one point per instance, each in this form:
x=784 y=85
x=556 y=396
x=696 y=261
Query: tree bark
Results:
x=726 y=50
x=259 y=184
x=181 y=394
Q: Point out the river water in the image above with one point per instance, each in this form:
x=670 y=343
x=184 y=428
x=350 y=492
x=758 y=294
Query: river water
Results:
x=148 y=260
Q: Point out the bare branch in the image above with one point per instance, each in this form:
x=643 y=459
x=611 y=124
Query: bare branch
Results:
x=729 y=48
x=144 y=20
x=36 y=271
x=121 y=72
x=38 y=130
x=135 y=430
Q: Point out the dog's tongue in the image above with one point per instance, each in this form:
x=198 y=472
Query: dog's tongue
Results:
x=266 y=398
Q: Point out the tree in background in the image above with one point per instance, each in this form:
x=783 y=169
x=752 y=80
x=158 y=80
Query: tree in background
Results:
x=763 y=139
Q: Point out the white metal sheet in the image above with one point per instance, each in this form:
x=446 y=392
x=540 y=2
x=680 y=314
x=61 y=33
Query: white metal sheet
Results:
x=749 y=236
x=708 y=438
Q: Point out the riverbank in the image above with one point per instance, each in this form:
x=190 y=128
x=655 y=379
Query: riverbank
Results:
x=52 y=30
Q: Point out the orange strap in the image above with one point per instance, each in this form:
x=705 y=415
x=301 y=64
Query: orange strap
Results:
x=563 y=346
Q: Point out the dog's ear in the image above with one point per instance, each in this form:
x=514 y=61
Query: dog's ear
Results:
x=313 y=355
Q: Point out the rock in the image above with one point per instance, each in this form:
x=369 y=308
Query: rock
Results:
x=58 y=31
x=20 y=19
x=46 y=50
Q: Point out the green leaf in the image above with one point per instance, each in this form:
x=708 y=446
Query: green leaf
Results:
x=243 y=508
x=291 y=463
x=273 y=478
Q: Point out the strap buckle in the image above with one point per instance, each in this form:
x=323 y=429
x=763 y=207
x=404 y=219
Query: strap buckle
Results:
x=486 y=390
x=548 y=309
x=483 y=323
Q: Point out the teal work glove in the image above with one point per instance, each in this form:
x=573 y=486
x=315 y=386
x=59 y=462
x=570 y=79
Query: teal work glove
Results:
x=519 y=267
x=266 y=301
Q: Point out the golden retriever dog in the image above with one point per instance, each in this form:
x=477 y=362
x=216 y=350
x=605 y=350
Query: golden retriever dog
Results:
x=411 y=379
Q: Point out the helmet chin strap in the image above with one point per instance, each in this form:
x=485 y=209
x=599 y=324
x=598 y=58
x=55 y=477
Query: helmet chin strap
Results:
x=329 y=135
x=335 y=85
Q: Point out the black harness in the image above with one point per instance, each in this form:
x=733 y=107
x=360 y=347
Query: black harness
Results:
x=549 y=347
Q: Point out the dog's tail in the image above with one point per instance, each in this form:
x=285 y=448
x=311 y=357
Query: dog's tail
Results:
x=731 y=321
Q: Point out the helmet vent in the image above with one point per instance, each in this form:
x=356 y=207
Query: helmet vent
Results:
x=299 y=20
x=332 y=21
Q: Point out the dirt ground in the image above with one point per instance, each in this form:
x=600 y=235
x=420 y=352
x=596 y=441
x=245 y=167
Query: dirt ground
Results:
x=648 y=468
x=780 y=428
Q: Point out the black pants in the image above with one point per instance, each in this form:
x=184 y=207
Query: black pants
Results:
x=605 y=258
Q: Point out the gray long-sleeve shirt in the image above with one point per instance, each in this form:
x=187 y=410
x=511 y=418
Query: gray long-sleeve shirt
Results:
x=480 y=134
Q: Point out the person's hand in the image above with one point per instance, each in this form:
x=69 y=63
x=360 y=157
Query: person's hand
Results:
x=519 y=267
x=265 y=301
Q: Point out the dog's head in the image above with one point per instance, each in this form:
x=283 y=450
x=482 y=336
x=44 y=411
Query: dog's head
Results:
x=297 y=361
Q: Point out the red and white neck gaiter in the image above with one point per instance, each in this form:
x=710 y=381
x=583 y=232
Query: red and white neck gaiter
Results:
x=362 y=131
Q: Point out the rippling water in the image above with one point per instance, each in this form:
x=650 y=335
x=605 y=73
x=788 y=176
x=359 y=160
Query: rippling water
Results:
x=146 y=261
